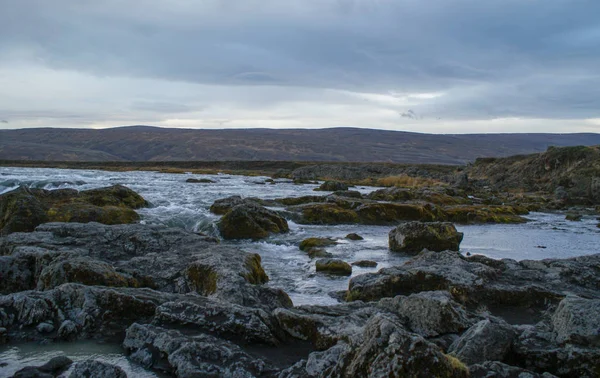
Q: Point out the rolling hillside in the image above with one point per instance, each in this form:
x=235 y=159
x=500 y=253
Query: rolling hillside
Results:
x=144 y=143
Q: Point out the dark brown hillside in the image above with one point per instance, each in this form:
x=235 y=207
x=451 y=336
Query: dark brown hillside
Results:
x=143 y=143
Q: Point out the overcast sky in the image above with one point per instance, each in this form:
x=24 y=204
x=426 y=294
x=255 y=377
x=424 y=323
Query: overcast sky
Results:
x=440 y=66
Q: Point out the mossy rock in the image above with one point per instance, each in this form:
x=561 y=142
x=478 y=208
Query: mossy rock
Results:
x=327 y=214
x=334 y=266
x=348 y=194
x=85 y=213
x=116 y=195
x=294 y=201
x=413 y=237
x=392 y=213
x=20 y=211
x=251 y=221
x=392 y=194
x=574 y=217
x=202 y=278
x=309 y=243
x=256 y=274
x=475 y=214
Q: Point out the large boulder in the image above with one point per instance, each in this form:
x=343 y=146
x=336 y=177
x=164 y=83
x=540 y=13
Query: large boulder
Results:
x=20 y=211
x=413 y=237
x=577 y=320
x=488 y=340
x=23 y=209
x=251 y=221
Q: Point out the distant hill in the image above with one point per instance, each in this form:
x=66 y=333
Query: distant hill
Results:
x=144 y=143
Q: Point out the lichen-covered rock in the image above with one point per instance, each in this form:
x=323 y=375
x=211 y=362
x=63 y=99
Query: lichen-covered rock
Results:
x=20 y=211
x=85 y=213
x=251 y=221
x=430 y=313
x=334 y=266
x=488 y=340
x=96 y=369
x=116 y=195
x=413 y=237
x=382 y=348
x=577 y=321
x=199 y=355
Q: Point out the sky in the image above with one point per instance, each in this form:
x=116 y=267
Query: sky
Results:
x=436 y=66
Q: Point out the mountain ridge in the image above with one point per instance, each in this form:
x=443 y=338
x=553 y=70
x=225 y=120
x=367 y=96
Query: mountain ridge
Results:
x=343 y=144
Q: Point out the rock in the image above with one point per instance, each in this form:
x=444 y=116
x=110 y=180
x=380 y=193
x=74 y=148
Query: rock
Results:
x=392 y=213
x=429 y=314
x=577 y=321
x=354 y=236
x=332 y=186
x=309 y=243
x=488 y=340
x=96 y=369
x=495 y=369
x=251 y=221
x=334 y=266
x=116 y=195
x=20 y=211
x=518 y=291
x=68 y=330
x=45 y=327
x=200 y=355
x=85 y=213
x=225 y=320
x=413 y=237
x=327 y=213
x=381 y=348
x=3 y=335
x=318 y=252
x=477 y=214
x=24 y=209
x=168 y=259
x=200 y=181
x=84 y=271
x=50 y=369
x=573 y=217
x=365 y=264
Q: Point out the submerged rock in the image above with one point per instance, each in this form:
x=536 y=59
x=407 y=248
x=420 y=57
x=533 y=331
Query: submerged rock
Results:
x=365 y=264
x=200 y=181
x=573 y=217
x=310 y=243
x=354 y=237
x=251 y=221
x=413 y=237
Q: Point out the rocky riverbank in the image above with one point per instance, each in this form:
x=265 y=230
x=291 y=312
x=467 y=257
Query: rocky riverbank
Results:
x=184 y=305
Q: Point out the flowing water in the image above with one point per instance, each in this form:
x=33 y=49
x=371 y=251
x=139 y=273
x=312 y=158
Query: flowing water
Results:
x=179 y=204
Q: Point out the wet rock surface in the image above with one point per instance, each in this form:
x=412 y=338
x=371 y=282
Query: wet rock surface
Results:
x=413 y=237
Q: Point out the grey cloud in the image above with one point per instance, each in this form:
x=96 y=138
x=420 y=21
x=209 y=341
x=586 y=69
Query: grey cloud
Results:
x=163 y=107
x=492 y=59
